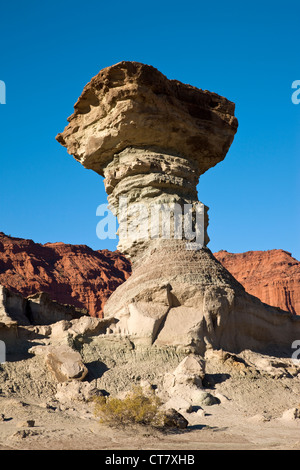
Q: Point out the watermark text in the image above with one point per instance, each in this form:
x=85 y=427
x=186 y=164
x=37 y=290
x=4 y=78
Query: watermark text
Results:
x=139 y=222
x=296 y=353
x=2 y=352
x=296 y=93
x=2 y=92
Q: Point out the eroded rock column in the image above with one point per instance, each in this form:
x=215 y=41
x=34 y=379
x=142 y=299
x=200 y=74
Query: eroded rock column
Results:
x=152 y=186
x=152 y=138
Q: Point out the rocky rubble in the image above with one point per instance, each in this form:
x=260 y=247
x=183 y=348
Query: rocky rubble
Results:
x=88 y=360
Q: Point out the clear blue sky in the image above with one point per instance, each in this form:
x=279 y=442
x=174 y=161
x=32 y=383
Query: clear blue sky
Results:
x=246 y=51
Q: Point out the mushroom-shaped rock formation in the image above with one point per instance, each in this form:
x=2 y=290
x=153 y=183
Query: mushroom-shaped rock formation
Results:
x=151 y=138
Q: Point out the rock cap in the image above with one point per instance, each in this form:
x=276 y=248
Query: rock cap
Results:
x=131 y=104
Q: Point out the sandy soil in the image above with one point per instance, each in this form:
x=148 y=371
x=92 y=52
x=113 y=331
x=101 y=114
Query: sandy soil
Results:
x=248 y=417
x=258 y=402
x=224 y=427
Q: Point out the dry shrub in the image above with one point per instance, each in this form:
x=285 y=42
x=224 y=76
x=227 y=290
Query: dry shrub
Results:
x=137 y=407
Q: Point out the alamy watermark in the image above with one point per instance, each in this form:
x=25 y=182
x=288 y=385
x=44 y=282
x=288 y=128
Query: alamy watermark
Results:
x=2 y=352
x=139 y=222
x=296 y=354
x=296 y=93
x=2 y=92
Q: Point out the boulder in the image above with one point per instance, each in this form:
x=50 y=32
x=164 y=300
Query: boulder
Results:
x=65 y=363
x=144 y=320
x=202 y=398
x=191 y=370
x=185 y=382
x=90 y=326
x=173 y=419
x=179 y=404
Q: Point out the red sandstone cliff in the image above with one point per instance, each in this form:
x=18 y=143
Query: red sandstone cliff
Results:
x=273 y=276
x=70 y=274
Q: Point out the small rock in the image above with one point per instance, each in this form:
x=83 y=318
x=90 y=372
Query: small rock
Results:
x=291 y=414
x=173 y=419
x=221 y=397
x=48 y=406
x=201 y=413
x=65 y=363
x=179 y=404
x=259 y=418
x=19 y=434
x=146 y=385
x=26 y=424
x=205 y=399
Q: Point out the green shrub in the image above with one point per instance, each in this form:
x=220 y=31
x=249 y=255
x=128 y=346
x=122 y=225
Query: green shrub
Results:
x=137 y=407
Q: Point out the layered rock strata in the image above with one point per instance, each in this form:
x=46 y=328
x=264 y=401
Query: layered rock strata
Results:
x=273 y=276
x=152 y=138
x=70 y=274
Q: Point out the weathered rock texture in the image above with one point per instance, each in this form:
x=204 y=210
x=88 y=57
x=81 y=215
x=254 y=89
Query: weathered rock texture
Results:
x=134 y=105
x=37 y=309
x=70 y=274
x=152 y=138
x=149 y=136
x=273 y=276
x=20 y=318
x=65 y=363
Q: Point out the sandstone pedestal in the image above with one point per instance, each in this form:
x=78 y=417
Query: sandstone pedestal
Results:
x=152 y=138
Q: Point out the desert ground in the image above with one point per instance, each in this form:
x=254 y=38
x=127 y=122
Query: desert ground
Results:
x=255 y=410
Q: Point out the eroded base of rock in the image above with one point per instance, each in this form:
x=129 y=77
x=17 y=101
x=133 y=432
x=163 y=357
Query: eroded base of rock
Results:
x=188 y=300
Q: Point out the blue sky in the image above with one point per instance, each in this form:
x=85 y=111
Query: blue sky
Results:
x=245 y=51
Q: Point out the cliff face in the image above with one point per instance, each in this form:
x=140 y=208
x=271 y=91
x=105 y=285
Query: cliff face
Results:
x=70 y=274
x=273 y=276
